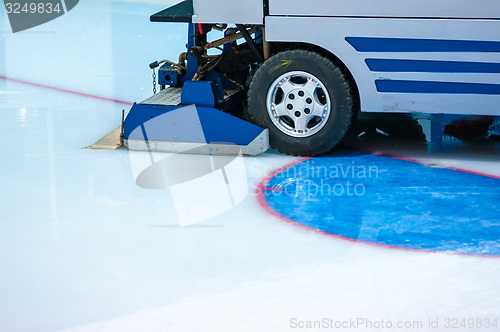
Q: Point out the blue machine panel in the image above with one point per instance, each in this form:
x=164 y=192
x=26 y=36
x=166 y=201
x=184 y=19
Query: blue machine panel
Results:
x=167 y=76
x=218 y=127
x=202 y=93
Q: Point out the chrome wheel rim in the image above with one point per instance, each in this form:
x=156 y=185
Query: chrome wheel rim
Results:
x=298 y=104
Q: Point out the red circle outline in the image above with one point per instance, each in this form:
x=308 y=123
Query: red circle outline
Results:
x=261 y=200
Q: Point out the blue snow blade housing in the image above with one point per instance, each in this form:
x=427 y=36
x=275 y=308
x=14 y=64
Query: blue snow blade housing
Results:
x=183 y=120
x=190 y=124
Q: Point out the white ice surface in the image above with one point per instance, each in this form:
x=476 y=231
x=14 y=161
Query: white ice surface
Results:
x=82 y=248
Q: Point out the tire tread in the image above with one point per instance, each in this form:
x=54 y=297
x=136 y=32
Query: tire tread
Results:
x=352 y=100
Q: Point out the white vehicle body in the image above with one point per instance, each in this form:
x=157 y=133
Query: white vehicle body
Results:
x=429 y=56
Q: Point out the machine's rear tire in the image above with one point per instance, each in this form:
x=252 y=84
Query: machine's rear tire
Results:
x=305 y=100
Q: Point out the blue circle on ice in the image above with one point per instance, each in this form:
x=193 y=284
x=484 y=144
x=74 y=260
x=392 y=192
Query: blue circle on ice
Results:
x=391 y=202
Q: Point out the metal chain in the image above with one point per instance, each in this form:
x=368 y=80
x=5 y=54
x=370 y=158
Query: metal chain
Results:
x=154 y=81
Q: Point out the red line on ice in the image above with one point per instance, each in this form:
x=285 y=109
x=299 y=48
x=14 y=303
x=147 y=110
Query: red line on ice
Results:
x=66 y=91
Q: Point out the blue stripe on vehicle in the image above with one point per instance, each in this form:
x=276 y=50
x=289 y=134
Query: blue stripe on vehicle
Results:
x=401 y=86
x=431 y=66
x=376 y=44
